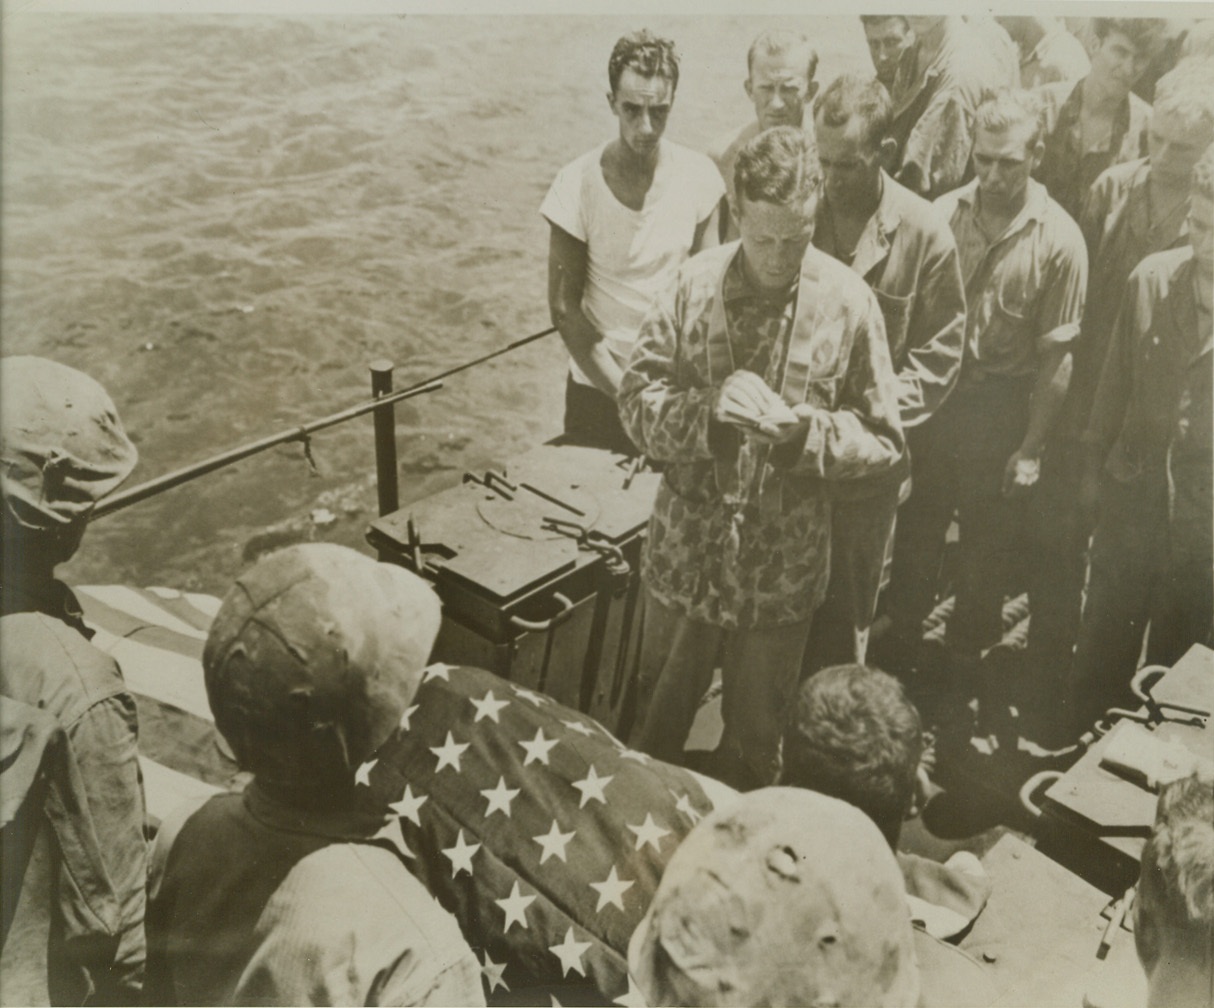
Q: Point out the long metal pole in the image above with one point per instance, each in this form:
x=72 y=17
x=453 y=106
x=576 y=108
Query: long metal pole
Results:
x=179 y=476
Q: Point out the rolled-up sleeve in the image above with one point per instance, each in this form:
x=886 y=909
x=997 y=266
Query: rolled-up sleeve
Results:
x=1060 y=304
x=667 y=416
x=105 y=742
x=862 y=435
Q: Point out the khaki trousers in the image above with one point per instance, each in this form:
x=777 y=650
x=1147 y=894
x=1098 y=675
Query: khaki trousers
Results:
x=759 y=671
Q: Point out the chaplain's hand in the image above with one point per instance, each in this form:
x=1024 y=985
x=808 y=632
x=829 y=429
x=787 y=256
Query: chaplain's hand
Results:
x=745 y=399
x=783 y=426
x=1020 y=474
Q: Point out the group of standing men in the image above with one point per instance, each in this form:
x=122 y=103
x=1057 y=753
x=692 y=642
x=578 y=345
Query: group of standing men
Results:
x=899 y=332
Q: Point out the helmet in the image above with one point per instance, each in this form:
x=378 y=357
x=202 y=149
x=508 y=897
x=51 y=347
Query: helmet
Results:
x=62 y=446
x=313 y=657
x=784 y=897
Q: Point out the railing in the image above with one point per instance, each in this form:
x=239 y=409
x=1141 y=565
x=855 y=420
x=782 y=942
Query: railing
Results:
x=382 y=404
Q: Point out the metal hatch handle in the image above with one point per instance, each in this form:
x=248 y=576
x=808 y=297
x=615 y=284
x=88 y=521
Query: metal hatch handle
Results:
x=540 y=626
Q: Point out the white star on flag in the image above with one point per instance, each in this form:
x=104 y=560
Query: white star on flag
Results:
x=554 y=843
x=684 y=805
x=438 y=671
x=363 y=774
x=579 y=726
x=570 y=953
x=461 y=855
x=648 y=832
x=499 y=798
x=515 y=906
x=592 y=786
x=492 y=972
x=449 y=753
x=631 y=998
x=611 y=890
x=538 y=748
x=488 y=706
x=554 y=1002
x=408 y=805
x=391 y=832
x=535 y=698
x=406 y=717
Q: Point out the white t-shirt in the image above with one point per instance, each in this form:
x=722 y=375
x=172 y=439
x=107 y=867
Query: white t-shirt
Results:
x=633 y=255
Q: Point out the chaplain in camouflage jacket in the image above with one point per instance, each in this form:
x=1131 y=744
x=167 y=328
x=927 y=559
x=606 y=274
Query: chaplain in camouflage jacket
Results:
x=738 y=551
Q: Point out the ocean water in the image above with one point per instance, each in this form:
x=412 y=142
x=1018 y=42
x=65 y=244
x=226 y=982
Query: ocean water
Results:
x=225 y=218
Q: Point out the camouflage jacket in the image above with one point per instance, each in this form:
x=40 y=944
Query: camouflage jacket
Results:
x=740 y=533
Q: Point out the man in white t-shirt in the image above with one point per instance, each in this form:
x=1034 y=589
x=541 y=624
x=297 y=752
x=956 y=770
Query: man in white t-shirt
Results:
x=623 y=217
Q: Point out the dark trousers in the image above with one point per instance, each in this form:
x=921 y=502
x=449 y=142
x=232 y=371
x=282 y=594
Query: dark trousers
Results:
x=759 y=668
x=1059 y=534
x=1128 y=553
x=860 y=539
x=958 y=460
x=1182 y=613
x=593 y=419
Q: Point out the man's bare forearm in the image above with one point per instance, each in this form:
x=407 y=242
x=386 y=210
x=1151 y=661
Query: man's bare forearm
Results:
x=589 y=351
x=1049 y=391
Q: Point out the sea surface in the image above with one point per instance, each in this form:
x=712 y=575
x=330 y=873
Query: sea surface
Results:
x=225 y=218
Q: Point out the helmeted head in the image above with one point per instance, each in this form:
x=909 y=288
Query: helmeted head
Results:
x=784 y=897
x=62 y=448
x=313 y=658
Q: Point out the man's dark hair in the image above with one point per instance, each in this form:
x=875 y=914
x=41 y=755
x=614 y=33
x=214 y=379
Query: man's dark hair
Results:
x=870 y=20
x=778 y=166
x=1145 y=34
x=856 y=95
x=855 y=736
x=647 y=54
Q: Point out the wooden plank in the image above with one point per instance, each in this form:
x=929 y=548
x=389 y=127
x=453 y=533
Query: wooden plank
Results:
x=1040 y=930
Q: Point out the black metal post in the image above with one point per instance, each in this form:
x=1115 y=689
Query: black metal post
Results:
x=385 y=438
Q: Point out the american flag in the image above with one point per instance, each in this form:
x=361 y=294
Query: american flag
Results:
x=538 y=829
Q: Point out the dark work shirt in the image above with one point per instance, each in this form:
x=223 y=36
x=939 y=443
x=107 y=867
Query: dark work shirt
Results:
x=1066 y=169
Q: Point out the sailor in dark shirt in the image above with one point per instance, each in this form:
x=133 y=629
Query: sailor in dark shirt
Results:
x=1163 y=332
x=1098 y=122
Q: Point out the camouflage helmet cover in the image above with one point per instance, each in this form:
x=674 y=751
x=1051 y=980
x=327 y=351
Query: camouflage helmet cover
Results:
x=312 y=659
x=785 y=896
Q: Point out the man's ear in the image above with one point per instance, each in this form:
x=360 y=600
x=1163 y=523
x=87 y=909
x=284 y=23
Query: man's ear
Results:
x=924 y=788
x=748 y=88
x=922 y=793
x=1038 y=154
x=888 y=154
x=611 y=101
